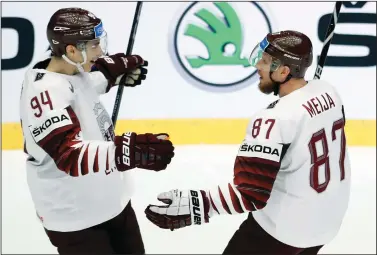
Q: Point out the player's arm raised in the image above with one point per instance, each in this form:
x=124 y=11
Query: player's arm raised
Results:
x=118 y=70
x=55 y=127
x=256 y=166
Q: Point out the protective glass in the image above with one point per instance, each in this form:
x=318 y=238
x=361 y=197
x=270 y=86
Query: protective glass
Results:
x=99 y=43
x=262 y=60
x=103 y=42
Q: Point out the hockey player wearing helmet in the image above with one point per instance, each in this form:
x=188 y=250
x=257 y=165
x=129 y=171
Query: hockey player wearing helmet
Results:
x=77 y=168
x=78 y=43
x=282 y=58
x=77 y=39
x=291 y=172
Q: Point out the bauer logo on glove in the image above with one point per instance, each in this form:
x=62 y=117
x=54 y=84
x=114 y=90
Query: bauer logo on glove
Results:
x=146 y=151
x=184 y=208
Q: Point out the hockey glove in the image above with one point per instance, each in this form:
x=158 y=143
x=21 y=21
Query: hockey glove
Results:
x=146 y=151
x=184 y=208
x=120 y=69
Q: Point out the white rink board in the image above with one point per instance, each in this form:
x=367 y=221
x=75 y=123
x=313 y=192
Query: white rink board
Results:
x=168 y=93
x=193 y=167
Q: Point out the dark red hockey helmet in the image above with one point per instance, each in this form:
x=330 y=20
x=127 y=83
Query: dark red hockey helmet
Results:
x=287 y=48
x=72 y=26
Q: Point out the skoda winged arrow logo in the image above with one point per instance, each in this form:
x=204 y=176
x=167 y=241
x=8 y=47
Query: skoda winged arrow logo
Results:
x=212 y=42
x=218 y=38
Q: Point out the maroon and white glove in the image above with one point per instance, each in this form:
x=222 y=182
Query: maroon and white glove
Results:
x=146 y=151
x=120 y=69
x=184 y=208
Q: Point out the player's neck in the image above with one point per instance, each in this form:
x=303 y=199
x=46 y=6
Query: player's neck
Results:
x=59 y=65
x=291 y=85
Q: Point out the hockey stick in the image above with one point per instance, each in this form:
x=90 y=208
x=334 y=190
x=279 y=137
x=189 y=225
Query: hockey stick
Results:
x=327 y=42
x=131 y=41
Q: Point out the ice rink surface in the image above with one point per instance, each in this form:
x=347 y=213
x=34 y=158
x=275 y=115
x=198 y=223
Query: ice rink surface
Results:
x=199 y=166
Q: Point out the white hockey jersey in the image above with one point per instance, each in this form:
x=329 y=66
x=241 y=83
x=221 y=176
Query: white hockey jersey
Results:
x=68 y=137
x=292 y=169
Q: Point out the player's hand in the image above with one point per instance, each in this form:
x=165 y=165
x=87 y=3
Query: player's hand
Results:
x=120 y=69
x=146 y=151
x=184 y=208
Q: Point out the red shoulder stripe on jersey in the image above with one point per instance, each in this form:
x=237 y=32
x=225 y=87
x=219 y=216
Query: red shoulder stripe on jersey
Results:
x=259 y=181
x=248 y=204
x=96 y=165
x=258 y=166
x=212 y=203
x=85 y=162
x=107 y=160
x=223 y=202
x=254 y=195
x=74 y=156
x=256 y=203
x=64 y=146
x=254 y=179
x=235 y=201
x=58 y=145
x=54 y=138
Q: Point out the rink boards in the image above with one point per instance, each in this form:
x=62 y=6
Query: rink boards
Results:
x=200 y=131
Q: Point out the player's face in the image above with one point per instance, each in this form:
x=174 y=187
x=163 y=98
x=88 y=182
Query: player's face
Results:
x=266 y=85
x=93 y=52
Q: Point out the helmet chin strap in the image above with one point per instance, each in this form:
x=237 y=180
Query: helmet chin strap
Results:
x=277 y=83
x=78 y=65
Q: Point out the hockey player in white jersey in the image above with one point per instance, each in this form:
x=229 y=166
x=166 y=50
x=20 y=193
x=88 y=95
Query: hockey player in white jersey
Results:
x=291 y=173
x=76 y=165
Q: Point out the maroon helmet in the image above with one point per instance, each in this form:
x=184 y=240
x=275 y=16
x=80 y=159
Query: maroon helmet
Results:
x=287 y=48
x=74 y=26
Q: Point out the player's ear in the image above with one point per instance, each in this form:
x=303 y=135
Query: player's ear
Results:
x=69 y=49
x=73 y=53
x=285 y=70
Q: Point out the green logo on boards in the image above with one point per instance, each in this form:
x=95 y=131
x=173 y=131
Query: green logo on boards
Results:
x=223 y=41
x=212 y=42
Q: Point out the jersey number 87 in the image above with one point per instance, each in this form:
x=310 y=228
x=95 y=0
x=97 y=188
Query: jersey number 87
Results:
x=318 y=161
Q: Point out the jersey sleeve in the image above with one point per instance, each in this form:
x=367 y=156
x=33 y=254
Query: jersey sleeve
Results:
x=255 y=169
x=99 y=82
x=55 y=127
